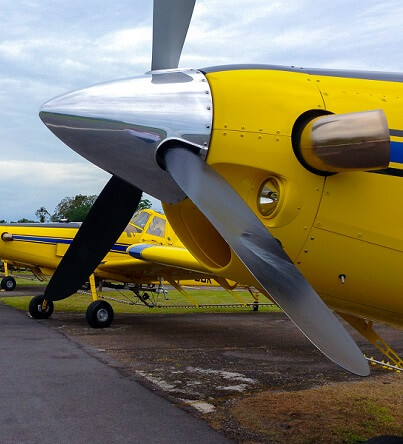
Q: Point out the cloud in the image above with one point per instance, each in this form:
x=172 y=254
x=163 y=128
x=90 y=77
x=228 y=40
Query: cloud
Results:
x=24 y=48
x=298 y=33
x=132 y=39
x=25 y=186
x=52 y=174
x=47 y=49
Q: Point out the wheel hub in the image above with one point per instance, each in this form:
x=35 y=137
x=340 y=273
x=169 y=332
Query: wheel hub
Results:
x=102 y=315
x=42 y=308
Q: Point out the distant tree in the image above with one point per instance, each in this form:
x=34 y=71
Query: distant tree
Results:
x=143 y=204
x=42 y=214
x=25 y=221
x=2 y=221
x=74 y=209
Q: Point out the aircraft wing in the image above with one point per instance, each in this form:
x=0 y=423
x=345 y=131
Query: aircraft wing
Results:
x=167 y=255
x=155 y=261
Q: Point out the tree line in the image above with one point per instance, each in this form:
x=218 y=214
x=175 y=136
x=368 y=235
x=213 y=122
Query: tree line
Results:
x=70 y=209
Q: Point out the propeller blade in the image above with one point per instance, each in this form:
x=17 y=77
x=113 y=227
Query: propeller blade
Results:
x=170 y=26
x=263 y=256
x=101 y=228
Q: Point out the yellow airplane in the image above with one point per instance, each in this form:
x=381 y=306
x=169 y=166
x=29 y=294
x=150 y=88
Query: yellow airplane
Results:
x=285 y=178
x=40 y=247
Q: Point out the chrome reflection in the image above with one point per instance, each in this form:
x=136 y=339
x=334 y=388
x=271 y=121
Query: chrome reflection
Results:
x=119 y=125
x=357 y=141
x=269 y=197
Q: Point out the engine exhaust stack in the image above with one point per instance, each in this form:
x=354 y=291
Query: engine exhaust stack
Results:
x=335 y=143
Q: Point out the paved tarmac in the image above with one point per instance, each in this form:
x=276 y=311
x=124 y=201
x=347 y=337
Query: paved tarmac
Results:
x=24 y=290
x=53 y=390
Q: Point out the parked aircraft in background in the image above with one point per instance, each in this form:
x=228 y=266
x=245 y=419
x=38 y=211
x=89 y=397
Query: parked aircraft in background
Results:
x=285 y=178
x=40 y=247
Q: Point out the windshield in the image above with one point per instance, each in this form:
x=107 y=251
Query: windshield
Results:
x=140 y=220
x=157 y=227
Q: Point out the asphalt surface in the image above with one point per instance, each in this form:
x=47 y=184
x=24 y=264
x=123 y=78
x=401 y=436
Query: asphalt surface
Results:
x=208 y=362
x=24 y=290
x=54 y=390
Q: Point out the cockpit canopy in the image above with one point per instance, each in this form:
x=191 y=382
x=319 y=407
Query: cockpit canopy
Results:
x=152 y=224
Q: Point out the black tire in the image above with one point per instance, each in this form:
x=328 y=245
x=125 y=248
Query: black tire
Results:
x=99 y=314
x=8 y=283
x=36 y=309
x=385 y=439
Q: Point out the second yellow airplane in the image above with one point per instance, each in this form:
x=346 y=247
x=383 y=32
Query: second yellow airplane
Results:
x=40 y=247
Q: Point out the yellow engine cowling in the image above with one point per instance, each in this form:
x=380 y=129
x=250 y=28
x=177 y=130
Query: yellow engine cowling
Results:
x=255 y=113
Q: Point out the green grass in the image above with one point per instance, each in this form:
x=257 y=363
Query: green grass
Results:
x=349 y=437
x=344 y=412
x=26 y=283
x=374 y=415
x=78 y=303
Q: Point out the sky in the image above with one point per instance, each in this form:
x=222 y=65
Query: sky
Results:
x=50 y=48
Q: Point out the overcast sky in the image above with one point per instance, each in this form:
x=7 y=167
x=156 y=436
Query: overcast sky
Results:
x=48 y=48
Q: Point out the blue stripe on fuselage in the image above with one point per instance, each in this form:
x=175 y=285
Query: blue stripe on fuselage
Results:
x=55 y=240
x=45 y=240
x=119 y=248
x=135 y=250
x=396 y=152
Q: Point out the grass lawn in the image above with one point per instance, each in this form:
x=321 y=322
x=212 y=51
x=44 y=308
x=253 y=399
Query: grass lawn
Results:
x=79 y=302
x=349 y=412
x=25 y=279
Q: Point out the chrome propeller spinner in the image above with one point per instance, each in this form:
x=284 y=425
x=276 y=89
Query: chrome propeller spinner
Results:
x=119 y=125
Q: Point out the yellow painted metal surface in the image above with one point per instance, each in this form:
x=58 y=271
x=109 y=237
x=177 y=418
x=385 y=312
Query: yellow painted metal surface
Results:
x=5 y=265
x=177 y=257
x=344 y=95
x=39 y=247
x=93 y=288
x=349 y=223
x=261 y=101
x=33 y=251
x=61 y=249
x=358 y=230
x=254 y=112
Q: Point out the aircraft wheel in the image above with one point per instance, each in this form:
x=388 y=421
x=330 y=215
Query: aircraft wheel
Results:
x=37 y=310
x=99 y=314
x=8 y=283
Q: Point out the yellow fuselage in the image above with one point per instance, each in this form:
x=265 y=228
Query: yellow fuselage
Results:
x=41 y=247
x=347 y=224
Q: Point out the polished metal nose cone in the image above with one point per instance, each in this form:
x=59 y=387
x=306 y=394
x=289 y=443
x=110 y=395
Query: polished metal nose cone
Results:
x=118 y=126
